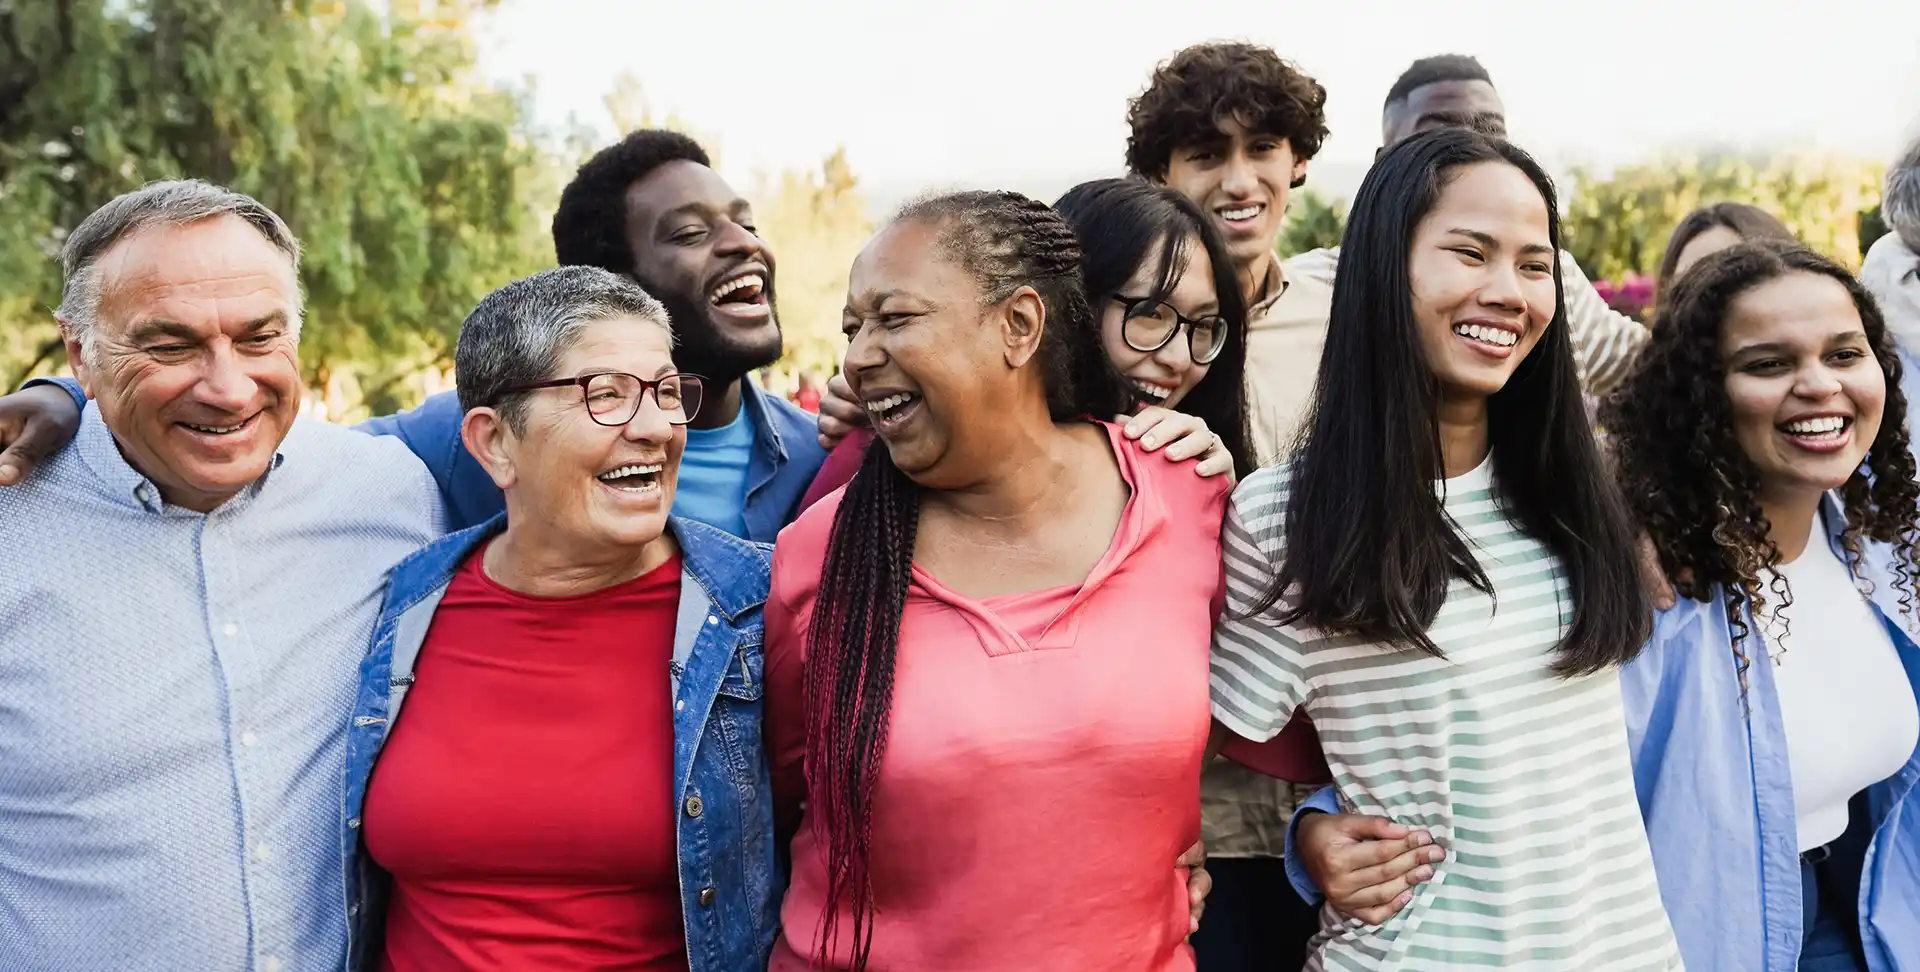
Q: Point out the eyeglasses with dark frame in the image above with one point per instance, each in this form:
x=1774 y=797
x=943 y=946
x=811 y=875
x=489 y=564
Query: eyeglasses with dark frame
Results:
x=613 y=398
x=1151 y=324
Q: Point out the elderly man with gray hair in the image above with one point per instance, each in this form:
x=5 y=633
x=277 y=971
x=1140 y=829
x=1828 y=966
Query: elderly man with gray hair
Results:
x=192 y=582
x=1892 y=268
x=578 y=781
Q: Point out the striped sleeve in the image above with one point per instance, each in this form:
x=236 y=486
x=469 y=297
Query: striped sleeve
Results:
x=1258 y=678
x=1604 y=340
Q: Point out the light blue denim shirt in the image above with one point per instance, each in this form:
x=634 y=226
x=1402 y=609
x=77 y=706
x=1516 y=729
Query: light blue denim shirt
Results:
x=172 y=691
x=1716 y=793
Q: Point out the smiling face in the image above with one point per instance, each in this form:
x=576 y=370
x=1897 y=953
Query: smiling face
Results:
x=932 y=363
x=598 y=486
x=697 y=250
x=1241 y=179
x=1163 y=377
x=1481 y=270
x=193 y=363
x=1805 y=390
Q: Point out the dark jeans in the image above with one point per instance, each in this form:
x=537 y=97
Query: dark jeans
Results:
x=1830 y=898
x=1254 y=921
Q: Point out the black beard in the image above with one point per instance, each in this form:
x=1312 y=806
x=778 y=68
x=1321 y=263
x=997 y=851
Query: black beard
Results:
x=702 y=348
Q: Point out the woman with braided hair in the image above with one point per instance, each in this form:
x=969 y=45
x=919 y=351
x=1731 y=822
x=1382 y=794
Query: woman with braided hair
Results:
x=986 y=655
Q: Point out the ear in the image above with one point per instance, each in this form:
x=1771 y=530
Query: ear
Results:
x=1023 y=320
x=76 y=356
x=490 y=441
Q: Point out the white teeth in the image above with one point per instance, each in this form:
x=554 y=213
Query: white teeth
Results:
x=1491 y=335
x=1245 y=212
x=882 y=405
x=1825 y=425
x=612 y=476
x=1156 y=391
x=211 y=430
x=750 y=280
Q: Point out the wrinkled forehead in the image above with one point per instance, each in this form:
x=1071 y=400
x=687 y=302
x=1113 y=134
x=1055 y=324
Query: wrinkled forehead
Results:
x=218 y=272
x=909 y=258
x=629 y=343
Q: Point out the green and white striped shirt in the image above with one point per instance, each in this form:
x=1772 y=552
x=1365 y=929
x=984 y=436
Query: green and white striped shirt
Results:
x=1522 y=776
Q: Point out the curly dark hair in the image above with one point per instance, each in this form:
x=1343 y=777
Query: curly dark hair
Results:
x=1003 y=241
x=1191 y=93
x=1691 y=486
x=590 y=225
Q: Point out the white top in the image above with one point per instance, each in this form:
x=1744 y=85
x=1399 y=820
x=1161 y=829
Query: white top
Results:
x=1849 y=710
x=1523 y=776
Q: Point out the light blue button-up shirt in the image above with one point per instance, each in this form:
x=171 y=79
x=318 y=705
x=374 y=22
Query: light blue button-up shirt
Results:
x=173 y=698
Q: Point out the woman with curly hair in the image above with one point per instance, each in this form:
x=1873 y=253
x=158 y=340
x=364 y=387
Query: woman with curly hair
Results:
x=1772 y=718
x=1762 y=442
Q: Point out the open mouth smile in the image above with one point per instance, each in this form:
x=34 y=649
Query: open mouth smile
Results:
x=1819 y=433
x=634 y=477
x=1495 y=339
x=892 y=410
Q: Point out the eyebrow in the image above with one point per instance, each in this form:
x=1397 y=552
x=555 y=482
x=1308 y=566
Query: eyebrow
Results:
x=1491 y=243
x=164 y=328
x=738 y=205
x=1775 y=347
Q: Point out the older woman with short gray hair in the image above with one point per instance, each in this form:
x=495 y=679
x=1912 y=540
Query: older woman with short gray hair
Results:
x=579 y=780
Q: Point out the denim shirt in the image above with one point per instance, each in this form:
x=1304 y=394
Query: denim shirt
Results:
x=786 y=455
x=1716 y=792
x=730 y=884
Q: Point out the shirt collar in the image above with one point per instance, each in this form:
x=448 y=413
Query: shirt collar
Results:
x=1271 y=289
x=101 y=453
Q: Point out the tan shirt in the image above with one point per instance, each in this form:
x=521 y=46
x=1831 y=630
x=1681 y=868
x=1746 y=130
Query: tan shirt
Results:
x=1286 y=331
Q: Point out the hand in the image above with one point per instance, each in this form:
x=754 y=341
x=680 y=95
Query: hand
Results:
x=1368 y=866
x=1184 y=437
x=1652 y=577
x=839 y=413
x=1199 y=883
x=34 y=422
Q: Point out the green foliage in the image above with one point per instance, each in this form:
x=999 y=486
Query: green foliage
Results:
x=1620 y=224
x=414 y=186
x=1312 y=223
x=1871 y=228
x=816 y=223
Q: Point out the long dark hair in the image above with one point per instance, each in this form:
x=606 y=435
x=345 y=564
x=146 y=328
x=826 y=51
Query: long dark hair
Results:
x=1695 y=491
x=1119 y=223
x=1370 y=548
x=1004 y=241
x=1747 y=222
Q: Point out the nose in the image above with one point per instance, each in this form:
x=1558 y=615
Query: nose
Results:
x=649 y=422
x=736 y=240
x=1816 y=383
x=863 y=353
x=1177 y=354
x=1238 y=178
x=224 y=383
x=1501 y=288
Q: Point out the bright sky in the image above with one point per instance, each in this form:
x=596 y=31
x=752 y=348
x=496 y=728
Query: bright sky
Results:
x=1031 y=94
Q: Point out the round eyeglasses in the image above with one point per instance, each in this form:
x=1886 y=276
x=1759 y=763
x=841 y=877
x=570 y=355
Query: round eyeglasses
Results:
x=613 y=398
x=1150 y=324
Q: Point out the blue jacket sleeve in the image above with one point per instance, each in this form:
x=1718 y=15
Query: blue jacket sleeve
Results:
x=432 y=431
x=67 y=385
x=1323 y=800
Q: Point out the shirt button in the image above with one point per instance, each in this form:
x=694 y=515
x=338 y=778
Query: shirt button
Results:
x=271 y=963
x=248 y=738
x=706 y=897
x=353 y=823
x=261 y=853
x=712 y=620
x=229 y=629
x=695 y=805
x=680 y=706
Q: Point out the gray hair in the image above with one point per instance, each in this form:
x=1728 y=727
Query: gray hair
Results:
x=175 y=202
x=518 y=333
x=1900 y=203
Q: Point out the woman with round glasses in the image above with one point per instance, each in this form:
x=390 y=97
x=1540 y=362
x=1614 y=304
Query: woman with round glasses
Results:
x=1171 y=318
x=578 y=781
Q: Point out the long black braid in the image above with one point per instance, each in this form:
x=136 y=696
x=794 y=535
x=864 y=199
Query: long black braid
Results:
x=1004 y=241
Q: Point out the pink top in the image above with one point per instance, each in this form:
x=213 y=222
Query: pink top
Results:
x=1043 y=767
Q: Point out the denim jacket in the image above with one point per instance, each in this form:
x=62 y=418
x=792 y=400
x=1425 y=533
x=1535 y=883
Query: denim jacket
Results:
x=1716 y=793
x=730 y=884
x=786 y=455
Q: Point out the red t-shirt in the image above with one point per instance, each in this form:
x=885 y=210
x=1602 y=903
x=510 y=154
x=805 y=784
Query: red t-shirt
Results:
x=525 y=800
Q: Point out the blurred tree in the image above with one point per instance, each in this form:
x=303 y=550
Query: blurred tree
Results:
x=1620 y=224
x=816 y=223
x=1312 y=223
x=415 y=186
x=1871 y=228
